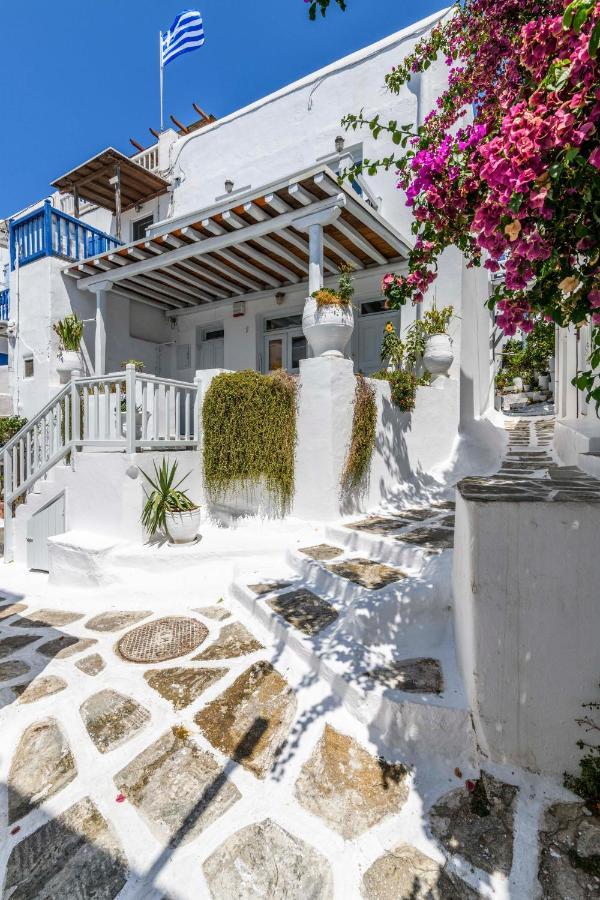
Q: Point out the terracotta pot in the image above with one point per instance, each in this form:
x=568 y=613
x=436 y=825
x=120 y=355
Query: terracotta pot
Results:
x=182 y=527
x=438 y=356
x=327 y=329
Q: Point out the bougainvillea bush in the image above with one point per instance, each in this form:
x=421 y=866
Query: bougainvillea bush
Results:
x=507 y=167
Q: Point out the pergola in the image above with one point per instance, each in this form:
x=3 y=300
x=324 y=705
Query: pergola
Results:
x=264 y=240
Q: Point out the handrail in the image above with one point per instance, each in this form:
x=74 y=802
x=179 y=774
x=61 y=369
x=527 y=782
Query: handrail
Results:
x=31 y=423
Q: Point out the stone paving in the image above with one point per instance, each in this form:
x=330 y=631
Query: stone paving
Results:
x=181 y=752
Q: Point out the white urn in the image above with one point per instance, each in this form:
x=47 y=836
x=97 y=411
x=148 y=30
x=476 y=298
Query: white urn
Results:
x=68 y=361
x=182 y=527
x=438 y=355
x=327 y=328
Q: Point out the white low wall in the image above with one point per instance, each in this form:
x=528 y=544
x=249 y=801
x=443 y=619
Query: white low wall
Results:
x=527 y=622
x=575 y=436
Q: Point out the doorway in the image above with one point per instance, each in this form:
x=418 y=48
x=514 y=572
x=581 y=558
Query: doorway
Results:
x=285 y=344
x=210 y=347
x=45 y=523
x=371 y=324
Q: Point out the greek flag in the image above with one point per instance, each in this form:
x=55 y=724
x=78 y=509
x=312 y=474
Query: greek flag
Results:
x=185 y=34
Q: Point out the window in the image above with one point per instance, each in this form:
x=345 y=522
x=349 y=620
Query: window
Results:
x=216 y=334
x=28 y=367
x=139 y=227
x=276 y=324
x=371 y=307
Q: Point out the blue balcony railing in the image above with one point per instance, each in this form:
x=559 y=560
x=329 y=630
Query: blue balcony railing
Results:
x=4 y=307
x=49 y=232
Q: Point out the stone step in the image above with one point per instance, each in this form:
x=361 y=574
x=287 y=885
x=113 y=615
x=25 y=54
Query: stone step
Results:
x=382 y=664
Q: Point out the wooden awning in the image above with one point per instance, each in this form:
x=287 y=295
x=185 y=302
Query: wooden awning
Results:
x=92 y=181
x=252 y=244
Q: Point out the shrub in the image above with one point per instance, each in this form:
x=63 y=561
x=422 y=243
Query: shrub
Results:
x=249 y=424
x=70 y=332
x=362 y=443
x=9 y=425
x=404 y=388
x=342 y=296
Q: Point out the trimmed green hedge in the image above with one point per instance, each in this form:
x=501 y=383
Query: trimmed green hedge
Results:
x=249 y=424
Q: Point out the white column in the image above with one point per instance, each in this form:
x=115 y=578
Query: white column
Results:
x=101 y=289
x=314 y=224
x=315 y=265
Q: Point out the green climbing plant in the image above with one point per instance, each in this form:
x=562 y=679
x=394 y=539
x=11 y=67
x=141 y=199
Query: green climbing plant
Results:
x=249 y=425
x=587 y=783
x=362 y=442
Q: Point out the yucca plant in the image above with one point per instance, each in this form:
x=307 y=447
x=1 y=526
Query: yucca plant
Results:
x=70 y=332
x=165 y=497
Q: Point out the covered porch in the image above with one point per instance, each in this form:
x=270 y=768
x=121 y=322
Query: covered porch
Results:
x=229 y=282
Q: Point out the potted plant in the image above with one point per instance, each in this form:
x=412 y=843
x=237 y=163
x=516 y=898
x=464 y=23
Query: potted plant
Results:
x=437 y=355
x=328 y=319
x=169 y=509
x=70 y=332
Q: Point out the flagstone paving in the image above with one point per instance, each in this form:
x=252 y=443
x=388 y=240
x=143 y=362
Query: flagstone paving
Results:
x=264 y=860
x=251 y=720
x=116 y=620
x=12 y=668
x=65 y=646
x=42 y=686
x=76 y=855
x=478 y=825
x=42 y=765
x=47 y=618
x=268 y=586
x=91 y=665
x=429 y=538
x=11 y=610
x=9 y=645
x=412 y=675
x=233 y=640
x=569 y=849
x=112 y=719
x=218 y=613
x=177 y=788
x=322 y=552
x=304 y=610
x=161 y=640
x=367 y=573
x=182 y=685
x=407 y=874
x=347 y=787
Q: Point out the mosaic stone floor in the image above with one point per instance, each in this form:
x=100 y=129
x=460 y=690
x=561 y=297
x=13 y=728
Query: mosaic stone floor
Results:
x=182 y=753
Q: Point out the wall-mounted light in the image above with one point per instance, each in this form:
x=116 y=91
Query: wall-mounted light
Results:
x=339 y=143
x=228 y=185
x=279 y=298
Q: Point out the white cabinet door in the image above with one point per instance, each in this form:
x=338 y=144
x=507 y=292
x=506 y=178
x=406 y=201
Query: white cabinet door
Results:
x=212 y=355
x=370 y=336
x=45 y=523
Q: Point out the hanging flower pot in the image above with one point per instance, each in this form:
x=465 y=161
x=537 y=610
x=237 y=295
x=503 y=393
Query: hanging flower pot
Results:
x=68 y=361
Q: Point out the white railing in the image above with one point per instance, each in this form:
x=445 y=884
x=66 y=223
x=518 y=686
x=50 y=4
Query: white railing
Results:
x=125 y=411
x=148 y=159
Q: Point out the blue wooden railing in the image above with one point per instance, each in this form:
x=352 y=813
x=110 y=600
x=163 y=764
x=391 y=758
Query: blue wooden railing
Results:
x=49 y=232
x=4 y=306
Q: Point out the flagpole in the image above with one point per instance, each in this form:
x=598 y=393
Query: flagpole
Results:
x=160 y=43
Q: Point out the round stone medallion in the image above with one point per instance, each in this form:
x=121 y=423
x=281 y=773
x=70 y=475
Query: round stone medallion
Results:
x=161 y=640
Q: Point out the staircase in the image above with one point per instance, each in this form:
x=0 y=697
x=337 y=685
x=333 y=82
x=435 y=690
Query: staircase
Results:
x=371 y=614
x=125 y=412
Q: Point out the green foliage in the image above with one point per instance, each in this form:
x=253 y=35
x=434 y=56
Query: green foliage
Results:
x=392 y=347
x=165 y=497
x=362 y=443
x=9 y=426
x=139 y=365
x=342 y=296
x=540 y=346
x=249 y=424
x=588 y=380
x=587 y=783
x=70 y=332
x=323 y=6
x=404 y=388
x=435 y=321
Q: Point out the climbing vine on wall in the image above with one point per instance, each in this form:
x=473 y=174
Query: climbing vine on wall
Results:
x=362 y=442
x=249 y=424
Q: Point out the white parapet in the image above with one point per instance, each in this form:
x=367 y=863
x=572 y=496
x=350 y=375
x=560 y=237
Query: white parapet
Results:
x=527 y=620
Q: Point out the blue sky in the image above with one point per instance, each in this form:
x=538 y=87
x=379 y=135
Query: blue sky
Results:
x=77 y=76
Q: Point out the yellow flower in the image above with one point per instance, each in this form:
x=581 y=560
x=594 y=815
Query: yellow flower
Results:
x=389 y=327
x=513 y=230
x=569 y=284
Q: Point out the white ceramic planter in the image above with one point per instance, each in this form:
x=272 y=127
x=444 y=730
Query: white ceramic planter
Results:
x=68 y=361
x=327 y=329
x=182 y=527
x=438 y=356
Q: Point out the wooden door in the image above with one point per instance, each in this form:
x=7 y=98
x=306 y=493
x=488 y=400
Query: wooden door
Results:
x=45 y=523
